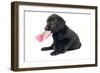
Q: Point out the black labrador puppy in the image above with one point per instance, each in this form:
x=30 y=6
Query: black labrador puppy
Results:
x=64 y=39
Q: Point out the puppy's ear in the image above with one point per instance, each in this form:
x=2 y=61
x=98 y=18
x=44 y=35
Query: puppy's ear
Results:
x=61 y=23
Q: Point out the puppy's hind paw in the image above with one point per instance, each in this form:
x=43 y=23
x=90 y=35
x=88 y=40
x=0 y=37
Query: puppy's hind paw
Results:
x=54 y=53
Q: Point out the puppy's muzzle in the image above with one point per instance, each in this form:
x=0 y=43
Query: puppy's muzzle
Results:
x=47 y=28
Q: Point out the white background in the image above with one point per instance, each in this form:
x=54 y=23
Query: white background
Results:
x=5 y=40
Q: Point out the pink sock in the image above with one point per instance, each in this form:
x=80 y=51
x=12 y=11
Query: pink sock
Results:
x=39 y=37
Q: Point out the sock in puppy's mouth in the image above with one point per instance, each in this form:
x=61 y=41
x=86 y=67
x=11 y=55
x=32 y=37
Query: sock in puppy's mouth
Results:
x=46 y=34
x=43 y=36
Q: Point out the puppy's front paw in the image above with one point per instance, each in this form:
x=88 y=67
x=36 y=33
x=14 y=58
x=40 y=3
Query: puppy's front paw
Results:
x=46 y=48
x=54 y=53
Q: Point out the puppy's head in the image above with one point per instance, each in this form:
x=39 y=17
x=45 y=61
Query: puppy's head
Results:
x=55 y=23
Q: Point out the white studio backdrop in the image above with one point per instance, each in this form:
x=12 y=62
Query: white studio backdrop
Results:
x=5 y=40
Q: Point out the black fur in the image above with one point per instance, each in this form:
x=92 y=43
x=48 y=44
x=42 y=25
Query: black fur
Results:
x=64 y=39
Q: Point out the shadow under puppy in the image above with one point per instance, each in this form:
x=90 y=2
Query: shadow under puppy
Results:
x=64 y=39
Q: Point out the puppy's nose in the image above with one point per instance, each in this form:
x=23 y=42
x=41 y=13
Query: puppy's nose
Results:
x=46 y=28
